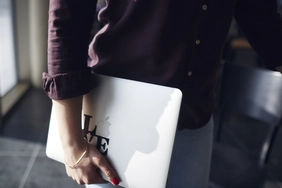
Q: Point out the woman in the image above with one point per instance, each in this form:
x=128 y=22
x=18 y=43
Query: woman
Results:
x=175 y=43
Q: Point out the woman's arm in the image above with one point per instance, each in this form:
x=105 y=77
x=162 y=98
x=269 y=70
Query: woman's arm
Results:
x=74 y=145
x=68 y=78
x=69 y=128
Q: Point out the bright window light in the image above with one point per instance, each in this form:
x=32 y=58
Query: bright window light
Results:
x=8 y=73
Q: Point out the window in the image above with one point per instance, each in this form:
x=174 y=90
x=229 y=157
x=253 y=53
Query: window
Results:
x=8 y=72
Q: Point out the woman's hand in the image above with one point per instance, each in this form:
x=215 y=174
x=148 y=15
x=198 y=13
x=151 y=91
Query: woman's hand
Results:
x=87 y=171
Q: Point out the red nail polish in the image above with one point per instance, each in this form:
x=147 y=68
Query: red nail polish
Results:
x=115 y=181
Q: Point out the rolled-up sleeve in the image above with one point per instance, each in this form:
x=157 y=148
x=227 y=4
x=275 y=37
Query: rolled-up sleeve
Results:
x=262 y=25
x=69 y=32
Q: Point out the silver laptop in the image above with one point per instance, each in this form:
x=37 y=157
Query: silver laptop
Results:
x=133 y=124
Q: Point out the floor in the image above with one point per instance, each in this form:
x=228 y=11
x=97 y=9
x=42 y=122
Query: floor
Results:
x=23 y=136
x=22 y=147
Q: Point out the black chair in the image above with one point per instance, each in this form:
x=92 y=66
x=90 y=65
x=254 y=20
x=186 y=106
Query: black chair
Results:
x=255 y=93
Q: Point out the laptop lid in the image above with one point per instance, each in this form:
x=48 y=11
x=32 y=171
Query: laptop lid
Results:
x=133 y=124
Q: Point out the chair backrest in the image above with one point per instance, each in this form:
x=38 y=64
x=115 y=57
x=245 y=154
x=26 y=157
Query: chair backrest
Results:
x=254 y=92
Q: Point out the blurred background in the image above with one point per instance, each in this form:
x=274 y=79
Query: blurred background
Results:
x=247 y=143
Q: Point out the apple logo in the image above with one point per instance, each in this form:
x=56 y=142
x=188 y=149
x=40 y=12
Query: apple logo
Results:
x=103 y=127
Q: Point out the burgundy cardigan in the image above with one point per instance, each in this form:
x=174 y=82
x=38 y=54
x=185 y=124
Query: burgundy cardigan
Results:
x=175 y=43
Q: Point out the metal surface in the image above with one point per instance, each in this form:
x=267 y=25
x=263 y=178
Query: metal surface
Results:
x=253 y=92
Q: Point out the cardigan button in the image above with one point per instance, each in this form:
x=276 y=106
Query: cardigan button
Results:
x=189 y=73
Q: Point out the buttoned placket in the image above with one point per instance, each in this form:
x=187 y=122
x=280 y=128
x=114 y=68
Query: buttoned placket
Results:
x=204 y=7
x=198 y=41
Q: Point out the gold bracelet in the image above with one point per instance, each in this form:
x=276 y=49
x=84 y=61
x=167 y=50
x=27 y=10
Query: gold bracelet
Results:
x=78 y=161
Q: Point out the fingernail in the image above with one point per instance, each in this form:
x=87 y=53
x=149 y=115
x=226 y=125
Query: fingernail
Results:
x=115 y=181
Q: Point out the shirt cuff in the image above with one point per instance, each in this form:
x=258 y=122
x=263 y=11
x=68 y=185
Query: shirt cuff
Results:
x=67 y=85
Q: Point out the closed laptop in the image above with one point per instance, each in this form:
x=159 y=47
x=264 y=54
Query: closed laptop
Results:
x=133 y=124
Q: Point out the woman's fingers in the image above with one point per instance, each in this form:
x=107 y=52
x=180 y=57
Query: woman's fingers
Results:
x=87 y=171
x=101 y=162
x=94 y=178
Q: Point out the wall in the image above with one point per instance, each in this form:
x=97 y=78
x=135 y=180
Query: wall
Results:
x=31 y=18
